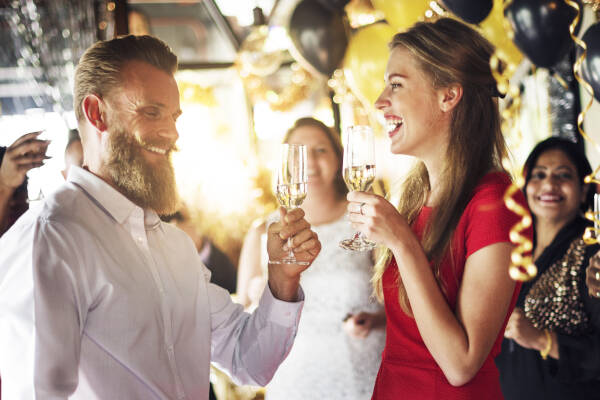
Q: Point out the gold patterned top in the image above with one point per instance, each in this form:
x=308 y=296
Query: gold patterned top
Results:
x=555 y=301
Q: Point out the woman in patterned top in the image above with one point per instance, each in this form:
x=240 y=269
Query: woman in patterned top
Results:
x=552 y=345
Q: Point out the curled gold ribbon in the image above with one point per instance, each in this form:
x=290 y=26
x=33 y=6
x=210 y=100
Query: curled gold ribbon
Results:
x=521 y=266
x=590 y=234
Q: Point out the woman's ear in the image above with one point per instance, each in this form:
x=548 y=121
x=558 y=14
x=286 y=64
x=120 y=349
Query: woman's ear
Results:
x=93 y=110
x=450 y=96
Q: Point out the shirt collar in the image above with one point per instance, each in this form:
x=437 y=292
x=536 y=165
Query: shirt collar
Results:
x=114 y=203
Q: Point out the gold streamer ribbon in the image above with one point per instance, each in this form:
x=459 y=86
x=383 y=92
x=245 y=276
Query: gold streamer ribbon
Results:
x=590 y=235
x=521 y=266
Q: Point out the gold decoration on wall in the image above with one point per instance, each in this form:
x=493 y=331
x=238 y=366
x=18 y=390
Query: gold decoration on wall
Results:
x=194 y=93
x=338 y=84
x=361 y=13
x=283 y=99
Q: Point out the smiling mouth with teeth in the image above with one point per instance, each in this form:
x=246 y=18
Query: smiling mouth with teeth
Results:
x=155 y=149
x=393 y=125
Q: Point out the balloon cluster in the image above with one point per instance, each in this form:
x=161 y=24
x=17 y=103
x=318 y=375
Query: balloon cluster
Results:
x=545 y=31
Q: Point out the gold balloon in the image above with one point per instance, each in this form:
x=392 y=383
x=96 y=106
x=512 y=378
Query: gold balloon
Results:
x=402 y=14
x=494 y=30
x=366 y=60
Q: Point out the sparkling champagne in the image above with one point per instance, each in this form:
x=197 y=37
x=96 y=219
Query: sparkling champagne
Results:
x=359 y=178
x=291 y=195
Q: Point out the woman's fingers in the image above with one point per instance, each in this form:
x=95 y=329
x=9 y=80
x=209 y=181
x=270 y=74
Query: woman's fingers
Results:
x=24 y=138
x=28 y=148
x=30 y=158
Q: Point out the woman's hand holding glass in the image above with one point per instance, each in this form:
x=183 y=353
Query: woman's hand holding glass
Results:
x=380 y=221
x=359 y=173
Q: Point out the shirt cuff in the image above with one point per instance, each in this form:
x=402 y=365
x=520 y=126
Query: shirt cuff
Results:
x=280 y=312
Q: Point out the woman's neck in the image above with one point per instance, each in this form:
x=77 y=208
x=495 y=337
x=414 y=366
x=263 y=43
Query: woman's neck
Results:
x=321 y=208
x=435 y=167
x=433 y=172
x=545 y=232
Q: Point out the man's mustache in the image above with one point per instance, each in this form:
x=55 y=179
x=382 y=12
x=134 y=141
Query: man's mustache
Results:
x=166 y=145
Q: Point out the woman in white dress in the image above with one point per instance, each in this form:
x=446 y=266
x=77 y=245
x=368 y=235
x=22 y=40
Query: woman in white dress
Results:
x=340 y=337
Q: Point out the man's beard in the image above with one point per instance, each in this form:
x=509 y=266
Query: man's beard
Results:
x=148 y=185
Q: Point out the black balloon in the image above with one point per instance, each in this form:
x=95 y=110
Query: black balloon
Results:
x=542 y=29
x=591 y=64
x=320 y=35
x=471 y=11
x=334 y=4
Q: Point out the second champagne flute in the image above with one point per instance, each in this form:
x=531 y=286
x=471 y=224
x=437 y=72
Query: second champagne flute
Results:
x=292 y=178
x=359 y=173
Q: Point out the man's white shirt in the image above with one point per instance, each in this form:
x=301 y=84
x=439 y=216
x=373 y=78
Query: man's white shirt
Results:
x=99 y=299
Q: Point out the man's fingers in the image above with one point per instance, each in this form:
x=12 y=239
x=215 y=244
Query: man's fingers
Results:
x=301 y=238
x=292 y=229
x=294 y=215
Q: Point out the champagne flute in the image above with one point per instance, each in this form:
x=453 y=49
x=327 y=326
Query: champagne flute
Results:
x=292 y=177
x=36 y=123
x=359 y=173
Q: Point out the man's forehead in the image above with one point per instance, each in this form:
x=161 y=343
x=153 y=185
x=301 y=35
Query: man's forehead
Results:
x=144 y=82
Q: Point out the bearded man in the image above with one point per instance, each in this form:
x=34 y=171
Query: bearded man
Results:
x=101 y=300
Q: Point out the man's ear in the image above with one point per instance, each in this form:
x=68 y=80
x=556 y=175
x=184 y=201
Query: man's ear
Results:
x=450 y=96
x=93 y=109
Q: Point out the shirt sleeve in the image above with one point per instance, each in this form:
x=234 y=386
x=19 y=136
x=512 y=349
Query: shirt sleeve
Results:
x=60 y=310
x=250 y=347
x=41 y=311
x=490 y=221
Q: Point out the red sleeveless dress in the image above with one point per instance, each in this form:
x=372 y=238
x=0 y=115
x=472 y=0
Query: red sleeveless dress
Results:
x=408 y=371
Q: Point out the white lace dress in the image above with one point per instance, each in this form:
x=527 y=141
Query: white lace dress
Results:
x=325 y=362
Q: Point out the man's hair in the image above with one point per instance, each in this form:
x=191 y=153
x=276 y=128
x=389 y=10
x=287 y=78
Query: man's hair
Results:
x=99 y=69
x=72 y=138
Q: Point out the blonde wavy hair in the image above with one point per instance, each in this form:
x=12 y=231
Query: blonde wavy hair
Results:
x=450 y=52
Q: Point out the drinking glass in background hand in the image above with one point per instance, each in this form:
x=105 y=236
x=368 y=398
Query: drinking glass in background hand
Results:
x=36 y=118
x=596 y=234
x=292 y=178
x=359 y=173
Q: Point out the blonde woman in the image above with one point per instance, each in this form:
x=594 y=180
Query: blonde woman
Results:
x=445 y=278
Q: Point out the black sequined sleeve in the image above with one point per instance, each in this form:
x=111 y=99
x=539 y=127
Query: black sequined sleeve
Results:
x=580 y=355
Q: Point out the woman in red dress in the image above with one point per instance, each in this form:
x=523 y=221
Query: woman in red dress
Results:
x=444 y=278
